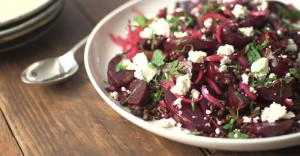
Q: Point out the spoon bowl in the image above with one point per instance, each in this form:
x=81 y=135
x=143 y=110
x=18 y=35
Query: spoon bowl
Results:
x=53 y=70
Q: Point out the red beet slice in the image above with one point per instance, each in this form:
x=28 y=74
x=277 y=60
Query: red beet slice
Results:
x=230 y=36
x=213 y=72
x=256 y=22
x=277 y=91
x=179 y=44
x=140 y=94
x=267 y=129
x=120 y=78
x=192 y=120
x=278 y=66
x=236 y=99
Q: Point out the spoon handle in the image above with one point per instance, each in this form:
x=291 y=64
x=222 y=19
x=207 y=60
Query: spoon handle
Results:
x=78 y=45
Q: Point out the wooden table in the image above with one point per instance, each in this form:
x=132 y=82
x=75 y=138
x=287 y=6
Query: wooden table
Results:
x=70 y=118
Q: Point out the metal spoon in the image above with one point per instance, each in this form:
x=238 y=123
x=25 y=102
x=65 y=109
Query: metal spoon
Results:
x=53 y=70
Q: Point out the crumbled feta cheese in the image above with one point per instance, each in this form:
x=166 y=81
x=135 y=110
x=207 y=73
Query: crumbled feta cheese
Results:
x=246 y=119
x=225 y=60
x=183 y=84
x=123 y=89
x=206 y=91
x=225 y=50
x=177 y=103
x=252 y=90
x=272 y=76
x=245 y=78
x=203 y=37
x=208 y=112
x=263 y=6
x=114 y=95
x=195 y=11
x=217 y=131
x=147 y=33
x=255 y=120
x=160 y=27
x=196 y=56
x=292 y=46
x=140 y=59
x=149 y=72
x=180 y=34
x=287 y=74
x=208 y=22
x=143 y=70
x=260 y=68
x=207 y=125
x=240 y=11
x=247 y=31
x=129 y=65
x=195 y=93
x=275 y=112
x=180 y=112
x=223 y=68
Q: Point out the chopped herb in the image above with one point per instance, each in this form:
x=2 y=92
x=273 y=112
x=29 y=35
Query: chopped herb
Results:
x=196 y=133
x=295 y=72
x=237 y=134
x=193 y=103
x=174 y=24
x=120 y=67
x=158 y=58
x=157 y=96
x=141 y=20
x=230 y=124
x=253 y=51
x=288 y=13
x=188 y=21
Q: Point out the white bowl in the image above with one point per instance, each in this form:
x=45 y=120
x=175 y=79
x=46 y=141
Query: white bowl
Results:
x=100 y=49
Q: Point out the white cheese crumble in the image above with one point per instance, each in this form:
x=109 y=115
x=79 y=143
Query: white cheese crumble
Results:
x=208 y=22
x=276 y=112
x=292 y=46
x=114 y=95
x=183 y=84
x=263 y=6
x=217 y=131
x=272 y=75
x=225 y=50
x=223 y=68
x=225 y=60
x=246 y=119
x=246 y=31
x=158 y=27
x=180 y=34
x=129 y=65
x=260 y=68
x=196 y=56
x=143 y=70
x=177 y=103
x=195 y=93
x=245 y=78
x=208 y=112
x=240 y=11
x=123 y=89
x=147 y=33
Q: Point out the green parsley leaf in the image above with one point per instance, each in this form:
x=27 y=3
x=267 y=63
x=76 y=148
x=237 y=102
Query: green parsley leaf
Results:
x=288 y=13
x=230 y=124
x=157 y=96
x=120 y=67
x=174 y=24
x=253 y=50
x=158 y=58
x=196 y=133
x=141 y=20
x=236 y=134
x=193 y=103
x=295 y=72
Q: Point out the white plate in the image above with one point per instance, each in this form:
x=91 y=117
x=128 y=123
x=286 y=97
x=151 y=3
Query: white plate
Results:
x=100 y=49
x=15 y=10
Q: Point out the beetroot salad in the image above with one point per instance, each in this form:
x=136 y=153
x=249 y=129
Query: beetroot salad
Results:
x=225 y=69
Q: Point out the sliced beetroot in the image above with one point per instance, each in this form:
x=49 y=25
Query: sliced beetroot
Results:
x=185 y=43
x=236 y=99
x=278 y=66
x=140 y=94
x=256 y=22
x=120 y=78
x=149 y=45
x=277 y=91
x=267 y=129
x=230 y=36
x=296 y=38
x=222 y=77
x=192 y=120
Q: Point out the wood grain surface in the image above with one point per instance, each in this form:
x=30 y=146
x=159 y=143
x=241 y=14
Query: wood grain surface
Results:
x=70 y=118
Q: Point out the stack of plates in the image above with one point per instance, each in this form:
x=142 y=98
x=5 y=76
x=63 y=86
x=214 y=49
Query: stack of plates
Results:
x=23 y=20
